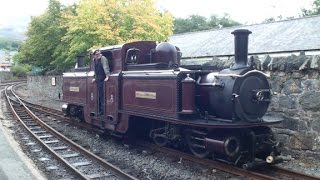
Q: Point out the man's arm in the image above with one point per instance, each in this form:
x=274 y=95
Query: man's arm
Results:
x=105 y=65
x=93 y=68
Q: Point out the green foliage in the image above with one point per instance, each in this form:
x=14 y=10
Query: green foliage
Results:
x=98 y=23
x=190 y=24
x=224 y=21
x=44 y=36
x=20 y=70
x=56 y=37
x=314 y=11
x=199 y=23
x=9 y=44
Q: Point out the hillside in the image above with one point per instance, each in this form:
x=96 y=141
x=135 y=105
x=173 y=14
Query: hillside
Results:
x=12 y=33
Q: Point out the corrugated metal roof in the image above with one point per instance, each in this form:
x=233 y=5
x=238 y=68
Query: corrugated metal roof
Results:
x=296 y=34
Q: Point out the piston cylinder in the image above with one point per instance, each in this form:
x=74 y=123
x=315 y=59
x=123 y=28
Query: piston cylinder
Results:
x=230 y=146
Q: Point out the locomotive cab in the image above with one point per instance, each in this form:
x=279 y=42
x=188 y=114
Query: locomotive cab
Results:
x=78 y=90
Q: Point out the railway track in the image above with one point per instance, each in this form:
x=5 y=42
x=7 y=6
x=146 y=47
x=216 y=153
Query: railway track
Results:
x=271 y=172
x=83 y=163
x=39 y=109
x=264 y=172
x=7 y=83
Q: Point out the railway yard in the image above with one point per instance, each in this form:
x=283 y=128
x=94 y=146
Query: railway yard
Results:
x=118 y=94
x=93 y=155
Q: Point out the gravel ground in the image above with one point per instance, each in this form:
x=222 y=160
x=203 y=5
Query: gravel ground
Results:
x=302 y=161
x=159 y=166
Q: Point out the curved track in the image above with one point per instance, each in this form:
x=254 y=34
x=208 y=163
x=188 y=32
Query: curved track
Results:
x=80 y=161
x=7 y=83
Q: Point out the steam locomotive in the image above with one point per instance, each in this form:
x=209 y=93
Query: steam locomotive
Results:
x=148 y=94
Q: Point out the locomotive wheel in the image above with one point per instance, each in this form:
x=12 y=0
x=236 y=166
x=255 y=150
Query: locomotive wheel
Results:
x=160 y=141
x=195 y=142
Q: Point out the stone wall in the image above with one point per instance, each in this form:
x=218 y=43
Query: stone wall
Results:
x=295 y=83
x=48 y=86
x=296 y=95
x=5 y=76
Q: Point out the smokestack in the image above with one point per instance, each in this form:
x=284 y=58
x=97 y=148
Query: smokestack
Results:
x=240 y=48
x=80 y=61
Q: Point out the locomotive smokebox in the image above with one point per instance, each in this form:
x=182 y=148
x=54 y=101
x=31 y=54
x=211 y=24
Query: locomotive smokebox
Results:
x=241 y=48
x=237 y=93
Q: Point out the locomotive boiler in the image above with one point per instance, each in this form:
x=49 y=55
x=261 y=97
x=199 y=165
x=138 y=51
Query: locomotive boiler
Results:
x=148 y=94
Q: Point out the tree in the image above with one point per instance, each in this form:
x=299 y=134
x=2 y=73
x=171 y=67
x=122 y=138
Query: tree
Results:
x=9 y=44
x=20 y=70
x=44 y=36
x=56 y=37
x=142 y=21
x=199 y=23
x=314 y=11
x=190 y=24
x=98 y=23
x=224 y=21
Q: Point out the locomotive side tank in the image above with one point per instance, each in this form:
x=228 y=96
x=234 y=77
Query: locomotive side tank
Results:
x=218 y=114
x=75 y=91
x=152 y=88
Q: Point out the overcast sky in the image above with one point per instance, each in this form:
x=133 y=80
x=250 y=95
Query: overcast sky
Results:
x=244 y=11
x=18 y=12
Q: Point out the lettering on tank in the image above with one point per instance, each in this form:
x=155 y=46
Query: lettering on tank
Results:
x=74 y=89
x=146 y=95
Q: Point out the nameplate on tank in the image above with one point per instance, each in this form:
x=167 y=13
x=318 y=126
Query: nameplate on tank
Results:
x=74 y=89
x=146 y=95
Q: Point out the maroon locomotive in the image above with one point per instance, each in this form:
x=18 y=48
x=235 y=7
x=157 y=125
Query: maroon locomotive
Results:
x=148 y=94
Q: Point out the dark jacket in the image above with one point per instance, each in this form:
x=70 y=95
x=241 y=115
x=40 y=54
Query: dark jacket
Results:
x=101 y=68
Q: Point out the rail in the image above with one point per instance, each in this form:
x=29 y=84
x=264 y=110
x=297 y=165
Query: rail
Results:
x=272 y=173
x=54 y=142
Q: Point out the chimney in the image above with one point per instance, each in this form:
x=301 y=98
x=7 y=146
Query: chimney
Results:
x=240 y=48
x=80 y=61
